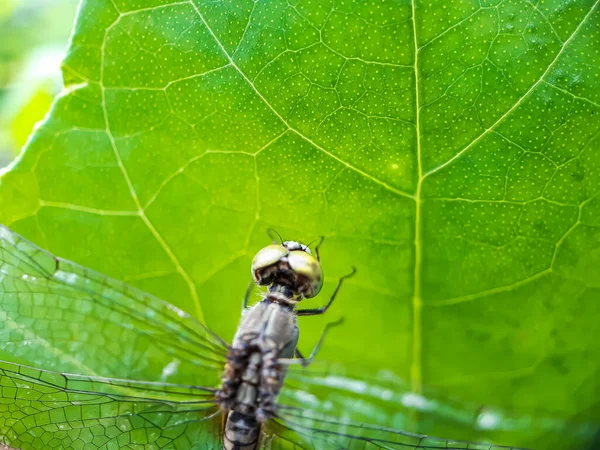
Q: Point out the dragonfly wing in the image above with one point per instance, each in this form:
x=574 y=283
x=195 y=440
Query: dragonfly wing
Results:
x=301 y=428
x=42 y=410
x=310 y=395
x=367 y=397
x=58 y=315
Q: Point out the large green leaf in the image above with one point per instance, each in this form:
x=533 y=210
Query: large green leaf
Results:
x=447 y=149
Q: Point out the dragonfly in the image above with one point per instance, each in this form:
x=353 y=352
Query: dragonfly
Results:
x=89 y=362
x=267 y=338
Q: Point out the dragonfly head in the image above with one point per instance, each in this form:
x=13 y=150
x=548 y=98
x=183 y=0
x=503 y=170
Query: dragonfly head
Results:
x=289 y=264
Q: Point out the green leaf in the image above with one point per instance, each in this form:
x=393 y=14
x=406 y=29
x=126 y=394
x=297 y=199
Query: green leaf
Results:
x=447 y=150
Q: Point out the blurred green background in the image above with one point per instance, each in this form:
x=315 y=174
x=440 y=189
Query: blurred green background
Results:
x=33 y=41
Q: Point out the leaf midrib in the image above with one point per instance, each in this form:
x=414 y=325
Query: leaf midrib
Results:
x=417 y=303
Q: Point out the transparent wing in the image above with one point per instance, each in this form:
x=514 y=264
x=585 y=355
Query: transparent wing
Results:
x=311 y=397
x=327 y=387
x=42 y=410
x=305 y=429
x=58 y=315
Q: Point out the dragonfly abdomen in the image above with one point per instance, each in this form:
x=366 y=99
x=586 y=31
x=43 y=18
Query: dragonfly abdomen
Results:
x=254 y=401
x=241 y=432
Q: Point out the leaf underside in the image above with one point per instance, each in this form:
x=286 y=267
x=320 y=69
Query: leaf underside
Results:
x=446 y=149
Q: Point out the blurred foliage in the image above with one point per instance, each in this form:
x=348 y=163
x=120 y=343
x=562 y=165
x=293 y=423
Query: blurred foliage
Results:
x=29 y=65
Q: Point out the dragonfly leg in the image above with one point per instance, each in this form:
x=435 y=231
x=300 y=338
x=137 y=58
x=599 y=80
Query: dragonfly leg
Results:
x=322 y=309
x=306 y=361
x=247 y=296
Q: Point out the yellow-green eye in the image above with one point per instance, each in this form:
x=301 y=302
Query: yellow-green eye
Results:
x=267 y=257
x=306 y=265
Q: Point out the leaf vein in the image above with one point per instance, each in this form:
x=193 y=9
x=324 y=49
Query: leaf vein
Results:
x=287 y=124
x=171 y=255
x=101 y=212
x=569 y=93
x=521 y=99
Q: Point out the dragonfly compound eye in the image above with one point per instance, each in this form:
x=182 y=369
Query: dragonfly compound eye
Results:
x=309 y=272
x=264 y=260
